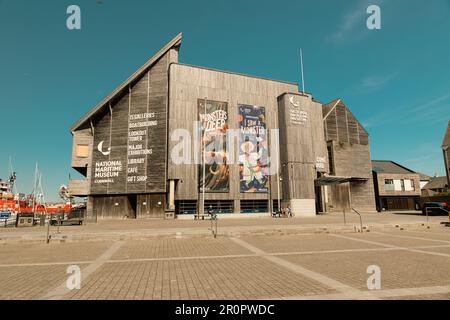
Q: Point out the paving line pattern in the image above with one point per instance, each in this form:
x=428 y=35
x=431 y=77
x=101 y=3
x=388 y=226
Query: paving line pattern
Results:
x=345 y=291
x=387 y=293
x=348 y=291
x=394 y=246
x=60 y=291
x=410 y=237
x=318 y=252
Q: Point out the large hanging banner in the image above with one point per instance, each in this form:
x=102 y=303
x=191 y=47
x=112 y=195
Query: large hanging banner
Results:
x=214 y=175
x=253 y=149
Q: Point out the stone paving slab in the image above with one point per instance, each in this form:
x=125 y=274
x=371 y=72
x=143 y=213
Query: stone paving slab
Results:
x=399 y=269
x=143 y=229
x=52 y=252
x=230 y=278
x=173 y=248
x=442 y=296
x=294 y=243
x=445 y=250
x=436 y=233
x=395 y=239
x=19 y=283
x=290 y=266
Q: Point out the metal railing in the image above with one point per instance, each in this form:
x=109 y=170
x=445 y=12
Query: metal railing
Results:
x=360 y=218
x=214 y=224
x=426 y=212
x=8 y=222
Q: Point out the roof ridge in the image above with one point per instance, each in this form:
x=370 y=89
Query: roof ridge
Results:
x=176 y=41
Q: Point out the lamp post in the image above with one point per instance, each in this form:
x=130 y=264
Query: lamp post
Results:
x=204 y=159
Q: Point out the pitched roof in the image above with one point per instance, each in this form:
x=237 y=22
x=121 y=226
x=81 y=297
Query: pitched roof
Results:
x=446 y=141
x=104 y=103
x=388 y=166
x=327 y=108
x=424 y=177
x=436 y=183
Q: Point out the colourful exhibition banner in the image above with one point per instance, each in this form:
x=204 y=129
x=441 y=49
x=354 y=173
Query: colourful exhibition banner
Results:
x=253 y=149
x=214 y=124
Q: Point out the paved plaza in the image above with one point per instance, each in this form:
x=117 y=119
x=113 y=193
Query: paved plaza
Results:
x=413 y=259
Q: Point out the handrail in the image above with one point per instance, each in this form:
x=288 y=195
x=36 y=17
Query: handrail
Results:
x=214 y=224
x=448 y=212
x=360 y=218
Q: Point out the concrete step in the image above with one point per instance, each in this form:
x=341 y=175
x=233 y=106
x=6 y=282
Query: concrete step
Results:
x=178 y=233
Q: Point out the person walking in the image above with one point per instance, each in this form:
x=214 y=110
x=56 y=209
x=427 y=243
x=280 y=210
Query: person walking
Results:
x=210 y=211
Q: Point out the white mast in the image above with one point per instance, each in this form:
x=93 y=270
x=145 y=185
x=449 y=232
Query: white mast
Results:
x=12 y=175
x=35 y=187
x=301 y=67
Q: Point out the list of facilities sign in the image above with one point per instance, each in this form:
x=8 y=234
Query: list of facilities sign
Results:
x=129 y=145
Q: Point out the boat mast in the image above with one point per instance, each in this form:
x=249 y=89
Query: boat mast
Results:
x=34 y=188
x=12 y=177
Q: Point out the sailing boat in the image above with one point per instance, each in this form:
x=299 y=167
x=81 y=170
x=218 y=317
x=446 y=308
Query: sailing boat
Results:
x=13 y=202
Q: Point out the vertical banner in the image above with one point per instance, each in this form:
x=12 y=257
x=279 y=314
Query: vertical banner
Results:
x=253 y=149
x=214 y=124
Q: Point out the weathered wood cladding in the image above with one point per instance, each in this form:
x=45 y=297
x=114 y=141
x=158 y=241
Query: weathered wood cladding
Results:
x=113 y=207
x=169 y=92
x=352 y=160
x=446 y=154
x=302 y=142
x=189 y=83
x=82 y=137
x=147 y=96
x=341 y=125
x=78 y=188
x=151 y=206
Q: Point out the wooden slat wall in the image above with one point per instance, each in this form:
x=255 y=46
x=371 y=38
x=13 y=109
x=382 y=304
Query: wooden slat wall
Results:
x=300 y=145
x=342 y=126
x=447 y=164
x=78 y=188
x=104 y=207
x=353 y=160
x=187 y=84
x=147 y=94
x=331 y=127
x=148 y=207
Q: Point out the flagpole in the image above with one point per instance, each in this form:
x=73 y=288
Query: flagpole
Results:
x=301 y=65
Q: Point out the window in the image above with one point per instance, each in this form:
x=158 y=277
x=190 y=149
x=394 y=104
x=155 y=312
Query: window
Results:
x=82 y=151
x=413 y=187
x=186 y=206
x=254 y=206
x=389 y=185
x=219 y=206
x=402 y=183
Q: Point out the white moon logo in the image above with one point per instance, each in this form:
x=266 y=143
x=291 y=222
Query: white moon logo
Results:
x=291 y=100
x=100 y=148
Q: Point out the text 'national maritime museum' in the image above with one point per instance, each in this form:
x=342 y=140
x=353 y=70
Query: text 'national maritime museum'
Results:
x=174 y=139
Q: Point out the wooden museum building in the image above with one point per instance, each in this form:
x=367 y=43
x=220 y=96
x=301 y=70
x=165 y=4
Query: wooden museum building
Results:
x=175 y=139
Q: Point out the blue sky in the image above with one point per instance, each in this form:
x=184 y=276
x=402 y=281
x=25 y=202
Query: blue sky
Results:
x=395 y=80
